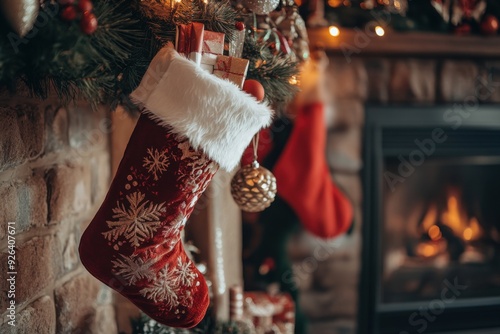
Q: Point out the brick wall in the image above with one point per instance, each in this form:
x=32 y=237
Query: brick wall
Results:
x=54 y=173
x=328 y=272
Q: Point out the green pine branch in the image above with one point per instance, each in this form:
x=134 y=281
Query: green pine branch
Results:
x=107 y=66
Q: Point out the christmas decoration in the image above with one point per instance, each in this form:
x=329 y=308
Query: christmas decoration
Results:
x=268 y=263
x=271 y=313
x=107 y=65
x=304 y=181
x=231 y=68
x=467 y=10
x=133 y=243
x=236 y=303
x=81 y=11
x=240 y=26
x=489 y=25
x=21 y=14
x=261 y=7
x=68 y=13
x=253 y=188
x=213 y=46
x=88 y=23
x=254 y=88
x=292 y=26
x=236 y=44
x=270 y=62
x=457 y=16
x=85 y=5
x=189 y=40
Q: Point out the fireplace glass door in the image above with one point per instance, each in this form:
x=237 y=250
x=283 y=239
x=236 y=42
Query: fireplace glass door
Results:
x=441 y=226
x=431 y=222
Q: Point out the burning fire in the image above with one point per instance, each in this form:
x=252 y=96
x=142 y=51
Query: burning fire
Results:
x=449 y=218
x=453 y=216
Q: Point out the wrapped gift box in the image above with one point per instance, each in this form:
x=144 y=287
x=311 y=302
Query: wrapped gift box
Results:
x=189 y=41
x=232 y=69
x=270 y=313
x=213 y=45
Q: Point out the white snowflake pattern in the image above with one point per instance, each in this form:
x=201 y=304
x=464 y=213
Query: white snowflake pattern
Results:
x=185 y=275
x=133 y=268
x=163 y=289
x=187 y=299
x=137 y=221
x=156 y=162
x=187 y=151
x=172 y=233
x=177 y=224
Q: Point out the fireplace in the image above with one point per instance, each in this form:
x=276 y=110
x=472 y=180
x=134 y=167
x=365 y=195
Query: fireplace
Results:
x=431 y=237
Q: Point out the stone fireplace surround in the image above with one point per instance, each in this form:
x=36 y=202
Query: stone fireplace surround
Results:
x=328 y=274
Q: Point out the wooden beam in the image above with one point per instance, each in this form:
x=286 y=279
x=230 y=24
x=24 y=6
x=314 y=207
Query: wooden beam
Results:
x=359 y=42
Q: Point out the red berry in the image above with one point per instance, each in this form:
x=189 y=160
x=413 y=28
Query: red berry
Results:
x=489 y=25
x=88 y=23
x=254 y=88
x=85 y=5
x=68 y=13
x=239 y=25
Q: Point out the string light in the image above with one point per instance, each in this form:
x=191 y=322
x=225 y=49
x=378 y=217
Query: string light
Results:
x=379 y=31
x=334 y=31
x=293 y=80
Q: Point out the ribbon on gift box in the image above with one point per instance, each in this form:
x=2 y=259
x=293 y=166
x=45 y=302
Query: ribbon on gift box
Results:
x=232 y=69
x=189 y=40
x=213 y=45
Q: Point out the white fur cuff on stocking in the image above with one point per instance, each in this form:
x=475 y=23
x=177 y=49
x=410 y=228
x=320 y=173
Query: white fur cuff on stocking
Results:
x=214 y=114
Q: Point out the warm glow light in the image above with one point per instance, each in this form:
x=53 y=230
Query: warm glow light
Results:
x=293 y=80
x=435 y=233
x=427 y=250
x=334 y=3
x=468 y=233
x=379 y=31
x=334 y=31
x=430 y=218
x=475 y=230
x=455 y=217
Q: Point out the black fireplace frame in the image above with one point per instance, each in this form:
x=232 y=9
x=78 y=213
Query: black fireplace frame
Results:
x=479 y=128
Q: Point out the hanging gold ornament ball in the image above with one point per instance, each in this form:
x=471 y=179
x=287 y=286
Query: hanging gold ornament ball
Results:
x=253 y=188
x=20 y=14
x=261 y=7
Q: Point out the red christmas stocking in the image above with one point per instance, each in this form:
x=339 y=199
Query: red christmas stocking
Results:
x=192 y=123
x=304 y=181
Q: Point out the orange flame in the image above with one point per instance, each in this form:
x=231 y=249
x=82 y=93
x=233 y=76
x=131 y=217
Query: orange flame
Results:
x=454 y=216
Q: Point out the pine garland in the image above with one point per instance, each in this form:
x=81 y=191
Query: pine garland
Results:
x=107 y=66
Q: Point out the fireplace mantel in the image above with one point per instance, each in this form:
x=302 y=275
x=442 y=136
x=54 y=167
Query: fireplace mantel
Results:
x=358 y=42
